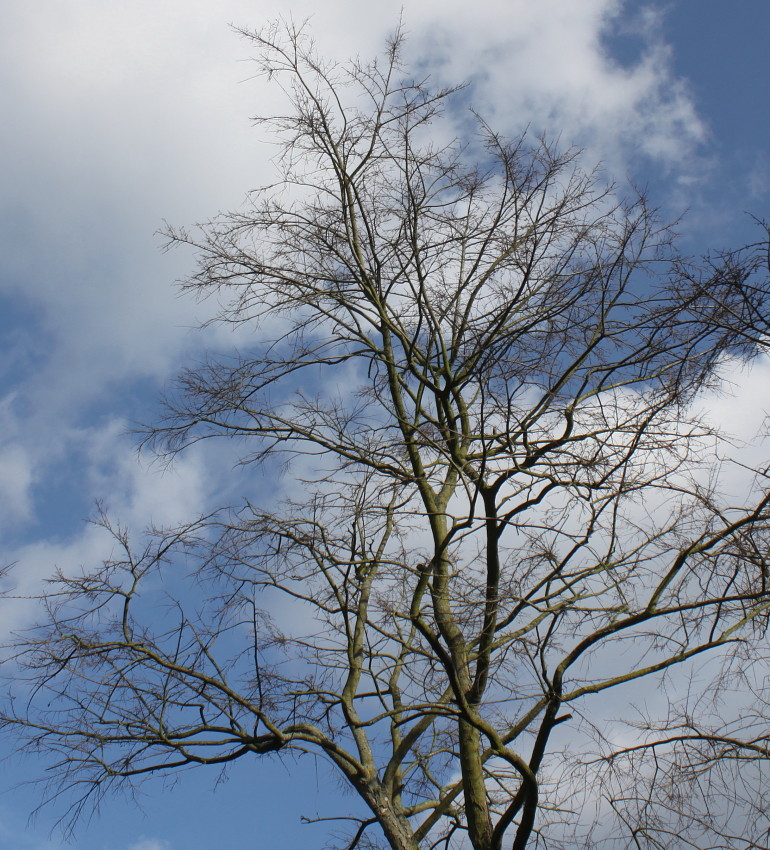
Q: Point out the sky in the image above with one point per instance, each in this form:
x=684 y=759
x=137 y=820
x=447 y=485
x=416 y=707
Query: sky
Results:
x=119 y=116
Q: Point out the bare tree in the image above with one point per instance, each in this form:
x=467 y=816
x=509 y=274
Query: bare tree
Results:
x=484 y=366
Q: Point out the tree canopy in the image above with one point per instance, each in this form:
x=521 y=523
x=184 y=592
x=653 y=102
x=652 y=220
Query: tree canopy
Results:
x=505 y=538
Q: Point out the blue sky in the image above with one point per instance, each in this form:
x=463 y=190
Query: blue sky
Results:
x=119 y=116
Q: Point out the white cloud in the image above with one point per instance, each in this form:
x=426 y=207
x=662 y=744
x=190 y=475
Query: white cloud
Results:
x=150 y=844
x=140 y=493
x=126 y=114
x=136 y=495
x=759 y=178
x=15 y=484
x=123 y=114
x=36 y=562
x=740 y=411
x=546 y=66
